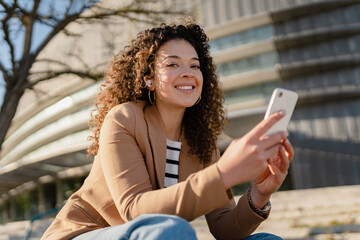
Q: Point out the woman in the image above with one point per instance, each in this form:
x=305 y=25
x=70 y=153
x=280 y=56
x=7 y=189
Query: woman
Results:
x=159 y=113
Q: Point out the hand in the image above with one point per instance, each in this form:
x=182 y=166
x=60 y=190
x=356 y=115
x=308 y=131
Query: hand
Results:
x=272 y=178
x=246 y=158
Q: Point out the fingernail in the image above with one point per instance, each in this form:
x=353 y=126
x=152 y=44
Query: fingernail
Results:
x=282 y=112
x=286 y=133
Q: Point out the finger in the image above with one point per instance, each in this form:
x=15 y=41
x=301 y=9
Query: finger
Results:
x=271 y=168
x=260 y=129
x=263 y=176
x=285 y=161
x=274 y=139
x=289 y=149
x=272 y=151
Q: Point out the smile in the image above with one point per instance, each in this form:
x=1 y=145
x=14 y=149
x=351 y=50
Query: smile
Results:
x=184 y=87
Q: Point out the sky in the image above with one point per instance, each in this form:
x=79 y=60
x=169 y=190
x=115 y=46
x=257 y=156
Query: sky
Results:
x=47 y=7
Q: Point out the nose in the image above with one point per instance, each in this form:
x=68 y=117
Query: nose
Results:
x=186 y=73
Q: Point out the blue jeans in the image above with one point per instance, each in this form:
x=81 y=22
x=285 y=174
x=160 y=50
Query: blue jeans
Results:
x=154 y=227
x=263 y=236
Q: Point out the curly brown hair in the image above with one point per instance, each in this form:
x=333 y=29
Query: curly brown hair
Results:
x=125 y=80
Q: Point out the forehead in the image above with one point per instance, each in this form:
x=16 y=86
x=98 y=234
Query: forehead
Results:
x=177 y=47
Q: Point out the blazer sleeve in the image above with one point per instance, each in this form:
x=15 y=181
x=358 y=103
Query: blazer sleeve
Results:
x=233 y=221
x=129 y=184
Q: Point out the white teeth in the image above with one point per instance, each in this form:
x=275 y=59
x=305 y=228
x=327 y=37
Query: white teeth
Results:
x=184 y=87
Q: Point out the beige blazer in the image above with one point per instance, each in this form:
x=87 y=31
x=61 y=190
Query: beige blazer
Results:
x=127 y=180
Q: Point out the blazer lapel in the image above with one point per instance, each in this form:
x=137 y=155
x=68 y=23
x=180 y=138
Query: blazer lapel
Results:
x=188 y=163
x=157 y=139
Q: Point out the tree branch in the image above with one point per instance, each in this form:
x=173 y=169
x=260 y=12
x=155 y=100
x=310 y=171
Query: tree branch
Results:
x=48 y=60
x=4 y=72
x=28 y=22
x=8 y=41
x=124 y=12
x=4 y=5
x=57 y=28
x=50 y=75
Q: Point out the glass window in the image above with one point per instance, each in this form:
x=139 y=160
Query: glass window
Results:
x=241 y=38
x=279 y=29
x=351 y=15
x=337 y=17
x=263 y=33
x=357 y=76
x=296 y=26
x=292 y=55
x=267 y=60
x=305 y=24
x=322 y=20
x=242 y=66
x=354 y=44
x=325 y=50
x=311 y=52
x=284 y=57
x=248 y=36
x=341 y=47
x=263 y=90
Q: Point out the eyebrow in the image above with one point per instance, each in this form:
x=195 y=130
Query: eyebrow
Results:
x=177 y=57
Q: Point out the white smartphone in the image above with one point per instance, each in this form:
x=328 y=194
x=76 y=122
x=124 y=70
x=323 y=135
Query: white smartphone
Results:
x=281 y=99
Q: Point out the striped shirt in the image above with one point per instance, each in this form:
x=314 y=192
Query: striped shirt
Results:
x=172 y=162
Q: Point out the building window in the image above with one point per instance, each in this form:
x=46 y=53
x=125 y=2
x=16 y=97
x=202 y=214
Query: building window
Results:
x=261 y=61
x=259 y=91
x=262 y=33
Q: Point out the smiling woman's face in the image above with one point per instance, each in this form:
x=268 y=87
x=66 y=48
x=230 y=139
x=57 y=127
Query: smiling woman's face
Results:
x=178 y=79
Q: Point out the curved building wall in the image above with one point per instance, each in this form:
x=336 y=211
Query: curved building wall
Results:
x=311 y=47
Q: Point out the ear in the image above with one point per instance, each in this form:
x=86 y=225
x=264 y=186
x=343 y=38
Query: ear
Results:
x=150 y=85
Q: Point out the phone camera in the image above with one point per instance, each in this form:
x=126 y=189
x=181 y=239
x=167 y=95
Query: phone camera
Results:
x=280 y=94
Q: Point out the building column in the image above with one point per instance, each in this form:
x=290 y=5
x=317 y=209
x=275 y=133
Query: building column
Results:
x=59 y=194
x=41 y=198
x=12 y=211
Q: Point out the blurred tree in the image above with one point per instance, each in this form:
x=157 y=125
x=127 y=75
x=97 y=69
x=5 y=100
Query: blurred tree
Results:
x=20 y=46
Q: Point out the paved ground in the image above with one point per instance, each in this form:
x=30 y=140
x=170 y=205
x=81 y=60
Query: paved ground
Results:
x=314 y=214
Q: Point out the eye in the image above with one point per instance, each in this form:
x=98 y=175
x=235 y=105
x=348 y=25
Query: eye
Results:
x=172 y=65
x=195 y=66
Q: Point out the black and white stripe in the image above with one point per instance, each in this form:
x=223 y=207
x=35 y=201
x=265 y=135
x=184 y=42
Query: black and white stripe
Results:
x=172 y=162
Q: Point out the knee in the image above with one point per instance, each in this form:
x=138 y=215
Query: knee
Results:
x=163 y=226
x=178 y=224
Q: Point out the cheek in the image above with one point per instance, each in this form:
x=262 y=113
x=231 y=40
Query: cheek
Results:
x=200 y=80
x=165 y=77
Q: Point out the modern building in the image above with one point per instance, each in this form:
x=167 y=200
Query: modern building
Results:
x=311 y=47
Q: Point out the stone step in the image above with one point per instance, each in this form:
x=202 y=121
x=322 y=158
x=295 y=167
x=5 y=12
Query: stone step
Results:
x=339 y=236
x=304 y=212
x=313 y=198
x=295 y=215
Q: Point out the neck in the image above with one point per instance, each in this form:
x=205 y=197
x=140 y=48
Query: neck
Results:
x=172 y=119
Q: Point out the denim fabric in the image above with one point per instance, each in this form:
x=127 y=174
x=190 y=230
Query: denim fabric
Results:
x=263 y=236
x=145 y=227
x=155 y=227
